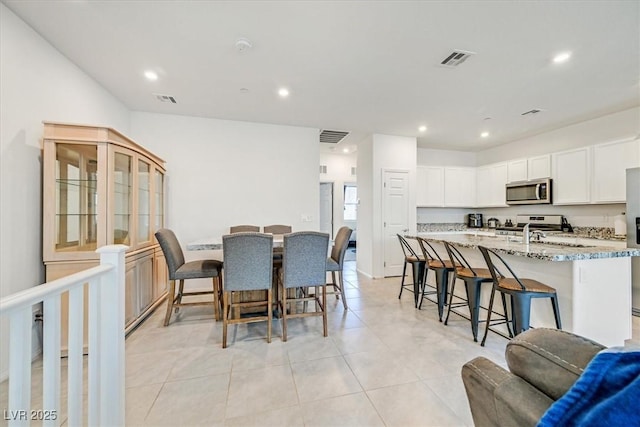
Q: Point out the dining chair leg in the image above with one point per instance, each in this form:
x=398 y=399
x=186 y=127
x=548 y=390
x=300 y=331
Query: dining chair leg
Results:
x=344 y=296
x=283 y=291
x=170 y=297
x=556 y=311
x=473 y=295
x=214 y=283
x=225 y=317
x=179 y=297
x=269 y=314
x=324 y=310
x=506 y=315
x=521 y=312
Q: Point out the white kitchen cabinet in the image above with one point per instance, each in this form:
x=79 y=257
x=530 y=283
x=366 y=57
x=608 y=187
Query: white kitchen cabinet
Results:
x=459 y=187
x=517 y=170
x=430 y=187
x=539 y=167
x=610 y=161
x=491 y=182
x=571 y=176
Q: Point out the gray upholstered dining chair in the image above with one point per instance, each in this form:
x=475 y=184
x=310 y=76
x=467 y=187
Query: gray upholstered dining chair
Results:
x=243 y=229
x=335 y=262
x=277 y=229
x=248 y=266
x=304 y=266
x=181 y=270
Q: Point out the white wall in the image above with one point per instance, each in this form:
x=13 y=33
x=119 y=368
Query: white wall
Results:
x=339 y=173
x=222 y=173
x=622 y=125
x=383 y=152
x=364 y=254
x=36 y=83
x=432 y=157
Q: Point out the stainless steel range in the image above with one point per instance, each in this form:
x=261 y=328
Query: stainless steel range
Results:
x=544 y=223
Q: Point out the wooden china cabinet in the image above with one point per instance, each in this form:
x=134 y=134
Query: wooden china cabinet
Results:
x=101 y=188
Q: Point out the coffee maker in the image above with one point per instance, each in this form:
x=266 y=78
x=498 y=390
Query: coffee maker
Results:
x=474 y=220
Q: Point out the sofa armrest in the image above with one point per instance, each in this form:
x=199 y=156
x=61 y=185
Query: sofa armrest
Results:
x=499 y=398
x=549 y=359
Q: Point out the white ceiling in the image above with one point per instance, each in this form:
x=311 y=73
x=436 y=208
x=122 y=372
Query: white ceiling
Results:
x=364 y=67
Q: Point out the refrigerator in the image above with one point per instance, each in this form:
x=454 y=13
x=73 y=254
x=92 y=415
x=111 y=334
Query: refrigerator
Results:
x=633 y=233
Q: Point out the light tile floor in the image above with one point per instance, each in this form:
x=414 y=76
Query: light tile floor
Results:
x=383 y=363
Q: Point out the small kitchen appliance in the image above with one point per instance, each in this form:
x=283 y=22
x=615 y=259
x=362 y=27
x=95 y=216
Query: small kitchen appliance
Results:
x=474 y=220
x=493 y=223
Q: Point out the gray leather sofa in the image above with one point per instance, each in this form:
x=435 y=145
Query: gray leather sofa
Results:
x=543 y=365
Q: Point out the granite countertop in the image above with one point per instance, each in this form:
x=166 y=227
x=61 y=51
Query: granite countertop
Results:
x=547 y=251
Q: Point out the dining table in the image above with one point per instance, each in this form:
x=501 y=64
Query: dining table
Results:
x=215 y=243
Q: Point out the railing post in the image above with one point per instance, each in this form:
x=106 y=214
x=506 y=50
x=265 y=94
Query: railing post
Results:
x=111 y=331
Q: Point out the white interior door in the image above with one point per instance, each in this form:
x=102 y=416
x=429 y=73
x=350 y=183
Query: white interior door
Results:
x=395 y=219
x=326 y=208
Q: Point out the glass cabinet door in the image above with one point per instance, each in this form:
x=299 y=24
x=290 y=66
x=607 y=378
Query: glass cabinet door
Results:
x=76 y=197
x=159 y=198
x=122 y=198
x=144 y=201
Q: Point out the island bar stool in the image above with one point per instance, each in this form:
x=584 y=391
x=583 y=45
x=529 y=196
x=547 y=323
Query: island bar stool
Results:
x=418 y=264
x=520 y=290
x=335 y=262
x=179 y=270
x=442 y=268
x=248 y=266
x=473 y=279
x=304 y=265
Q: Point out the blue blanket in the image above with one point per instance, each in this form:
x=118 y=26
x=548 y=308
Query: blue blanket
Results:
x=606 y=394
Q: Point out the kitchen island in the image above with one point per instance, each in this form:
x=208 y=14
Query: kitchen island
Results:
x=592 y=279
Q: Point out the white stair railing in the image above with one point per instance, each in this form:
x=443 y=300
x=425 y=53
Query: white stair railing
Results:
x=105 y=400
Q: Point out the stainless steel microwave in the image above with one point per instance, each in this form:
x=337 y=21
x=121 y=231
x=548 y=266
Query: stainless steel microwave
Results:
x=534 y=192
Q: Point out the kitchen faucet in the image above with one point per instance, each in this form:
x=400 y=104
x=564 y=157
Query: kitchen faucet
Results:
x=526 y=234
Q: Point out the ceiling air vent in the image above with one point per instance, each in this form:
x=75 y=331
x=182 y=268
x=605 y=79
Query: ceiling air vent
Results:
x=323 y=168
x=531 y=112
x=456 y=58
x=332 y=136
x=165 y=98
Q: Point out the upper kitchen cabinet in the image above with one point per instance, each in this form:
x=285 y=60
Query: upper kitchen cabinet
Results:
x=539 y=167
x=571 y=176
x=610 y=161
x=101 y=188
x=529 y=168
x=460 y=187
x=491 y=183
x=517 y=170
x=430 y=188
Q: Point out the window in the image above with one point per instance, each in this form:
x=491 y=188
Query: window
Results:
x=350 y=202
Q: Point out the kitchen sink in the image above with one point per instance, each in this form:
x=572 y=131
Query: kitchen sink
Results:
x=563 y=244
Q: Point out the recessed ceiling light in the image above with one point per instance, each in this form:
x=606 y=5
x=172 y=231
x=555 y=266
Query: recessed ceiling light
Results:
x=151 y=75
x=484 y=134
x=562 y=57
x=422 y=128
x=283 y=92
x=345 y=150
